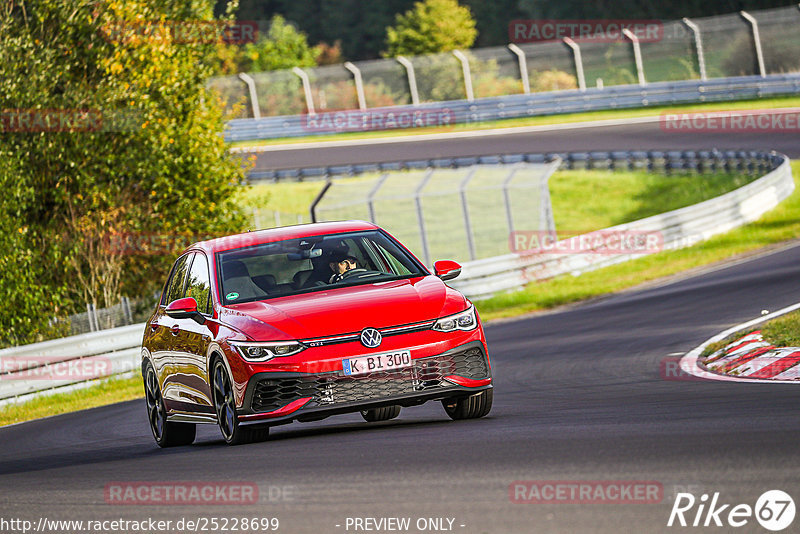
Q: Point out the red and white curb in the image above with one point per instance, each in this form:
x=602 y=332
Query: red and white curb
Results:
x=750 y=358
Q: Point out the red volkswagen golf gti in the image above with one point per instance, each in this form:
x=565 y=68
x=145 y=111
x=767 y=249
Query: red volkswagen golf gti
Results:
x=303 y=322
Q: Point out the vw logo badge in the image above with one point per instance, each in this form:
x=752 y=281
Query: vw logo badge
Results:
x=371 y=338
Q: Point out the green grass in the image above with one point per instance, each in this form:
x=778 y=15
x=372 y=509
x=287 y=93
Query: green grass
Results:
x=769 y=103
x=783 y=331
x=107 y=392
x=620 y=197
x=779 y=225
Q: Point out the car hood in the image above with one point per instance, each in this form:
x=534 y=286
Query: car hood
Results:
x=345 y=310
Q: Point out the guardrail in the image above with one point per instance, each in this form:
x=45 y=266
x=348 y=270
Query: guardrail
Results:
x=62 y=364
x=529 y=105
x=677 y=229
x=76 y=361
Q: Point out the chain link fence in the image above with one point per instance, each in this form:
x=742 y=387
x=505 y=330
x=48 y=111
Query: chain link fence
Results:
x=739 y=44
x=464 y=213
x=263 y=218
x=126 y=312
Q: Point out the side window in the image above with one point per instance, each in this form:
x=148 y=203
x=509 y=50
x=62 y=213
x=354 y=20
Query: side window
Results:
x=395 y=264
x=175 y=286
x=199 y=285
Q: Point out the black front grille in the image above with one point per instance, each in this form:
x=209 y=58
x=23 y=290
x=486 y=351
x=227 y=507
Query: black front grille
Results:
x=335 y=388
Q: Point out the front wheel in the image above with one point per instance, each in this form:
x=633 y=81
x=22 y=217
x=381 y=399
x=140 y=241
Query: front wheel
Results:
x=225 y=406
x=470 y=407
x=167 y=434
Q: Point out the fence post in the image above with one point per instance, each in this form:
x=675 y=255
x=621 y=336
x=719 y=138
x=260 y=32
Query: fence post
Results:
x=313 y=208
x=251 y=85
x=507 y=200
x=91 y=317
x=462 y=190
x=576 y=54
x=757 y=40
x=698 y=45
x=126 y=308
x=412 y=79
x=362 y=101
x=420 y=216
x=637 y=55
x=371 y=196
x=306 y=89
x=523 y=68
x=546 y=213
x=467 y=74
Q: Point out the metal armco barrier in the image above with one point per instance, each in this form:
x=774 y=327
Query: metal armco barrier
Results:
x=56 y=364
x=677 y=229
x=534 y=104
x=60 y=364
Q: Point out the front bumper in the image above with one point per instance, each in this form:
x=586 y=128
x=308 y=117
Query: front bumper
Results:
x=277 y=398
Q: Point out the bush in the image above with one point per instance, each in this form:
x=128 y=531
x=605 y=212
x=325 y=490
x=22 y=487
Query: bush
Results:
x=553 y=80
x=155 y=162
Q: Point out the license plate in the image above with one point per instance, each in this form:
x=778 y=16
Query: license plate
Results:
x=376 y=362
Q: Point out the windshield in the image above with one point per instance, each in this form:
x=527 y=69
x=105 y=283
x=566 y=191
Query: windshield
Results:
x=311 y=264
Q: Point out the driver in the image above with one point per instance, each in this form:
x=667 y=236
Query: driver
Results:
x=341 y=263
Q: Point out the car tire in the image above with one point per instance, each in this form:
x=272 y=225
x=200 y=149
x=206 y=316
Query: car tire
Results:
x=470 y=407
x=166 y=434
x=225 y=407
x=380 y=414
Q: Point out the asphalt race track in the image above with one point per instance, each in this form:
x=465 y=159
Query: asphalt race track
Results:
x=580 y=395
x=642 y=136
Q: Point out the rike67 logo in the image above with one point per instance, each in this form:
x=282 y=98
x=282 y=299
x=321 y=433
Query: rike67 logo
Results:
x=774 y=510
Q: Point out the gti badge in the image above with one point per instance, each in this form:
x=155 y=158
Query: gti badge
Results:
x=371 y=338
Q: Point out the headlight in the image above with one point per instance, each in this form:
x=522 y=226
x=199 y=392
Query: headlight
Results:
x=262 y=351
x=465 y=320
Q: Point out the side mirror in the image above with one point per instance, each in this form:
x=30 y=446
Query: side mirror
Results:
x=446 y=269
x=185 y=308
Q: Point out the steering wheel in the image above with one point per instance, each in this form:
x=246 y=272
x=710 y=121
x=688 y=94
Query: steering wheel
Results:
x=352 y=272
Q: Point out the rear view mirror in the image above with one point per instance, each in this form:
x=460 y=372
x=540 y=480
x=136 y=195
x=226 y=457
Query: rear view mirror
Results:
x=304 y=255
x=185 y=308
x=446 y=269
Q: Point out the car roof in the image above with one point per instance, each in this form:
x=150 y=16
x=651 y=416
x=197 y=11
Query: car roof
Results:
x=271 y=235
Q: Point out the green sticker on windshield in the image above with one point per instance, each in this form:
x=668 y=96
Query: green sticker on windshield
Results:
x=232 y=296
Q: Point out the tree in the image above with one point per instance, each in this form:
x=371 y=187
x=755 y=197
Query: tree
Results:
x=109 y=131
x=431 y=26
x=283 y=47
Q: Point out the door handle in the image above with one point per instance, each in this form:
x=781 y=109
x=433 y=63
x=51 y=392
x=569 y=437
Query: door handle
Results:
x=175 y=330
